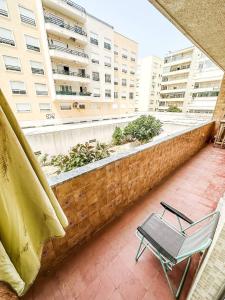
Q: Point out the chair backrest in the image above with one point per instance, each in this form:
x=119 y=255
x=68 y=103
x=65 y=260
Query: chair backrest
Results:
x=201 y=237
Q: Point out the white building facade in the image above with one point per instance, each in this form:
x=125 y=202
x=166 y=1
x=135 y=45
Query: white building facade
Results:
x=148 y=85
x=190 y=82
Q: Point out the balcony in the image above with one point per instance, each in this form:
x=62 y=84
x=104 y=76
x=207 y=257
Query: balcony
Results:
x=72 y=96
x=56 y=26
x=27 y=20
x=4 y=13
x=68 y=8
x=105 y=268
x=7 y=41
x=67 y=54
x=178 y=90
x=70 y=76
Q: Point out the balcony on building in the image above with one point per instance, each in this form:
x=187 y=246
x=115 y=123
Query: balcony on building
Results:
x=57 y=26
x=68 y=54
x=63 y=75
x=68 y=8
x=72 y=93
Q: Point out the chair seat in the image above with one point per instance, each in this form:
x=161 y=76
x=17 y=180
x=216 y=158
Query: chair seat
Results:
x=162 y=237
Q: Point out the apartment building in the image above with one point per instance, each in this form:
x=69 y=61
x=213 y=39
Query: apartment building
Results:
x=125 y=68
x=190 y=81
x=57 y=62
x=149 y=75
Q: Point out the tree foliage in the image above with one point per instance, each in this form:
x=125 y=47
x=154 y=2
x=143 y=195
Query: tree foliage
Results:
x=174 y=108
x=118 y=136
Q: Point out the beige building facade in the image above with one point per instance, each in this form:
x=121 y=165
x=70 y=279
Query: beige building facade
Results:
x=58 y=63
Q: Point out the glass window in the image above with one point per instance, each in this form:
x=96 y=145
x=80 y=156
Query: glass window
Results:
x=108 y=93
x=32 y=43
x=124 y=82
x=108 y=78
x=23 y=107
x=27 y=16
x=95 y=58
x=44 y=107
x=41 y=89
x=3 y=8
x=18 y=87
x=6 y=37
x=96 y=92
x=36 y=67
x=95 y=76
x=94 y=38
x=107 y=61
x=107 y=44
x=12 y=63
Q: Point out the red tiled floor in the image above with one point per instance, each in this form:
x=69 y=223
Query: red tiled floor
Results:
x=105 y=267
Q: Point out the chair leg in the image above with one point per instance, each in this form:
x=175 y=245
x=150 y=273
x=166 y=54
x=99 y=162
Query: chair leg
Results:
x=176 y=293
x=140 y=250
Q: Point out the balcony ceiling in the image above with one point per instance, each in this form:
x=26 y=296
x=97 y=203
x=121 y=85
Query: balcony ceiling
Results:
x=201 y=21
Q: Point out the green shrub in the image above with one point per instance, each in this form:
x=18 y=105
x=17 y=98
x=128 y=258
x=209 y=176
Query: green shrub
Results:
x=174 y=108
x=143 y=129
x=118 y=136
x=80 y=155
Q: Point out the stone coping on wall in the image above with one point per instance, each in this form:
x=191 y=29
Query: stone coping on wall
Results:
x=63 y=177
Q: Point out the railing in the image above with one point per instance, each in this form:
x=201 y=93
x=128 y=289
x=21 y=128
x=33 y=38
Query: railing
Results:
x=94 y=41
x=19 y=92
x=37 y=71
x=4 y=12
x=62 y=72
x=96 y=95
x=73 y=4
x=95 y=61
x=107 y=64
x=67 y=50
x=13 y=68
x=34 y=48
x=73 y=93
x=7 y=41
x=50 y=18
x=107 y=95
x=27 y=20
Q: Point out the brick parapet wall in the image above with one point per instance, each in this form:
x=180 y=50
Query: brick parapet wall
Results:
x=219 y=111
x=94 y=195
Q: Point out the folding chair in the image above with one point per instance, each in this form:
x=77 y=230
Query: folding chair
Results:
x=172 y=245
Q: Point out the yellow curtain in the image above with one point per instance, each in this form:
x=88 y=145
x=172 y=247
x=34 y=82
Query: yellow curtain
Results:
x=29 y=211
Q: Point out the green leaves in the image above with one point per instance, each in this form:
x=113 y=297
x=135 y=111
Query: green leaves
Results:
x=174 y=109
x=142 y=129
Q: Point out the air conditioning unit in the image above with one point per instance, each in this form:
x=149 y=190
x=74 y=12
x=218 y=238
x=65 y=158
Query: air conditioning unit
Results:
x=75 y=104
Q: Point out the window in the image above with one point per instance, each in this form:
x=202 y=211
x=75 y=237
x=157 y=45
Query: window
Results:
x=96 y=92
x=116 y=80
x=131 y=83
x=12 y=63
x=115 y=95
x=65 y=106
x=6 y=37
x=133 y=56
x=45 y=107
x=18 y=87
x=107 y=44
x=132 y=71
x=36 y=67
x=124 y=68
x=41 y=89
x=116 y=66
x=95 y=58
x=27 y=16
x=124 y=53
x=108 y=78
x=95 y=76
x=131 y=95
x=124 y=82
x=32 y=43
x=107 y=61
x=3 y=8
x=123 y=95
x=108 y=93
x=116 y=50
x=23 y=107
x=94 y=38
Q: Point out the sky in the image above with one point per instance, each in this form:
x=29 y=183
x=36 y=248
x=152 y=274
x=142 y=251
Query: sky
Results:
x=139 y=20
